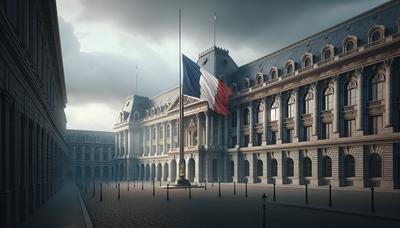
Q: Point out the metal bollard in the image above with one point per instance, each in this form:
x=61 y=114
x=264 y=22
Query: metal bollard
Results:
x=119 y=192
x=205 y=185
x=142 y=183
x=190 y=191
x=154 y=189
x=264 y=198
x=128 y=185
x=134 y=184
x=219 y=189
x=108 y=182
x=168 y=192
x=246 y=188
x=372 y=199
x=330 y=195
x=212 y=182
x=101 y=192
x=274 y=192
x=306 y=194
x=234 y=188
x=160 y=182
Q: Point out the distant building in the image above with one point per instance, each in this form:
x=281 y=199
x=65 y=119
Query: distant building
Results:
x=32 y=102
x=91 y=154
x=324 y=110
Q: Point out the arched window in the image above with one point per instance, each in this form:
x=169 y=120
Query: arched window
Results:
x=274 y=111
x=326 y=166
x=246 y=83
x=328 y=98
x=246 y=168
x=349 y=166
x=291 y=107
x=307 y=60
x=289 y=167
x=260 y=112
x=259 y=168
x=377 y=87
x=376 y=36
x=375 y=165
x=246 y=116
x=376 y=33
x=289 y=68
x=351 y=91
x=136 y=115
x=307 y=102
x=234 y=88
x=273 y=74
x=274 y=167
x=307 y=167
x=260 y=79
x=327 y=52
x=168 y=129
x=161 y=133
x=349 y=43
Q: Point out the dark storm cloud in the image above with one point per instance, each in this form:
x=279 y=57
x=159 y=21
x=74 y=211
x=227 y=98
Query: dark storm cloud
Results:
x=258 y=25
x=101 y=77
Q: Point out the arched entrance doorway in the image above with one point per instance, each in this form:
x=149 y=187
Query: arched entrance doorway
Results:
x=191 y=169
x=166 y=172
x=173 y=170
x=214 y=170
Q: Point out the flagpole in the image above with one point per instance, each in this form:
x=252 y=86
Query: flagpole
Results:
x=136 y=85
x=182 y=180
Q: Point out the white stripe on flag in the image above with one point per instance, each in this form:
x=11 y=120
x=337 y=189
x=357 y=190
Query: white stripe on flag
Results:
x=208 y=87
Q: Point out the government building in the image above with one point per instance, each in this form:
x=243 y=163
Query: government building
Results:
x=322 y=111
x=91 y=154
x=33 y=158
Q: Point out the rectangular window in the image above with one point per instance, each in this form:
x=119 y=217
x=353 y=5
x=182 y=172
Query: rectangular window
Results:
x=376 y=124
x=327 y=129
x=273 y=137
x=234 y=141
x=306 y=133
x=259 y=139
x=350 y=127
x=246 y=140
x=289 y=135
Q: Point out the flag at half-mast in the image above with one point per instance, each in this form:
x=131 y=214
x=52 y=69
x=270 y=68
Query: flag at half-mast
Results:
x=197 y=82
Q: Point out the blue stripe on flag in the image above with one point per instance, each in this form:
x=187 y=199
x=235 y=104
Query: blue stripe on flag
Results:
x=191 y=77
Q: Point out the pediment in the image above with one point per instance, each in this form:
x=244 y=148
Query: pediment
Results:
x=186 y=101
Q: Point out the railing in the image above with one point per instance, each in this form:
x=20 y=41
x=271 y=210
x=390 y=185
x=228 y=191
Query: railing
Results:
x=349 y=108
x=326 y=112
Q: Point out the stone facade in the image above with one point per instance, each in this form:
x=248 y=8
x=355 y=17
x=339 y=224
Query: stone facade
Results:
x=32 y=102
x=91 y=154
x=322 y=111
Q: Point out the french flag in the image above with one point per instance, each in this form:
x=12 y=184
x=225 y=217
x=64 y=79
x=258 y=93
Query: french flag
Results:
x=197 y=82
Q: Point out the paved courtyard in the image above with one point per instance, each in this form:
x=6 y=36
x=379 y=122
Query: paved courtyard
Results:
x=138 y=208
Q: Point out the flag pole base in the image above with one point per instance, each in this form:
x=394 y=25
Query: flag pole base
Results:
x=182 y=181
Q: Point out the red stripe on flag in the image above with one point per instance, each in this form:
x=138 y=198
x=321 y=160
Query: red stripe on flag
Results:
x=221 y=98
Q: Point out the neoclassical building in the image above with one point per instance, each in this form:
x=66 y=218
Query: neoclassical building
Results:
x=90 y=154
x=324 y=110
x=32 y=101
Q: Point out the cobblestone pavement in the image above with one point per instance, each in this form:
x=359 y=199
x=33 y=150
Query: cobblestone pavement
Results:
x=138 y=208
x=63 y=210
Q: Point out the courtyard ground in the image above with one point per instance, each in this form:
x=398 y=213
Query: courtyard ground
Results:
x=139 y=208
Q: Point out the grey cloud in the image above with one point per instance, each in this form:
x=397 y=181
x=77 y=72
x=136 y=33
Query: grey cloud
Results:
x=100 y=77
x=260 y=25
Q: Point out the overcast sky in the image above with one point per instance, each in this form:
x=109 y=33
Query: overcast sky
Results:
x=104 y=40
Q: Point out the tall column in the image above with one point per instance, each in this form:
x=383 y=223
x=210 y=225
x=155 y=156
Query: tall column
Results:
x=280 y=122
x=238 y=127
x=171 y=137
x=164 y=137
x=144 y=141
x=236 y=176
x=315 y=114
x=127 y=138
x=336 y=108
x=251 y=124
x=212 y=136
x=265 y=122
x=197 y=169
x=199 y=133
x=250 y=159
x=226 y=132
x=156 y=132
x=150 y=140
x=360 y=101
x=388 y=95
x=219 y=137
x=296 y=117
x=207 y=136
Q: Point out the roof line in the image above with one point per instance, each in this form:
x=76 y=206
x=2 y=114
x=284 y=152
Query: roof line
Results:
x=330 y=29
x=164 y=92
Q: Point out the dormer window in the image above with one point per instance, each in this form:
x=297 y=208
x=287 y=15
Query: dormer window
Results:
x=273 y=73
x=289 y=68
x=246 y=83
x=307 y=60
x=260 y=79
x=376 y=33
x=327 y=52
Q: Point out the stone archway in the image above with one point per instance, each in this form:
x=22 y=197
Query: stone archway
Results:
x=191 y=169
x=159 y=171
x=166 y=171
x=173 y=170
x=153 y=172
